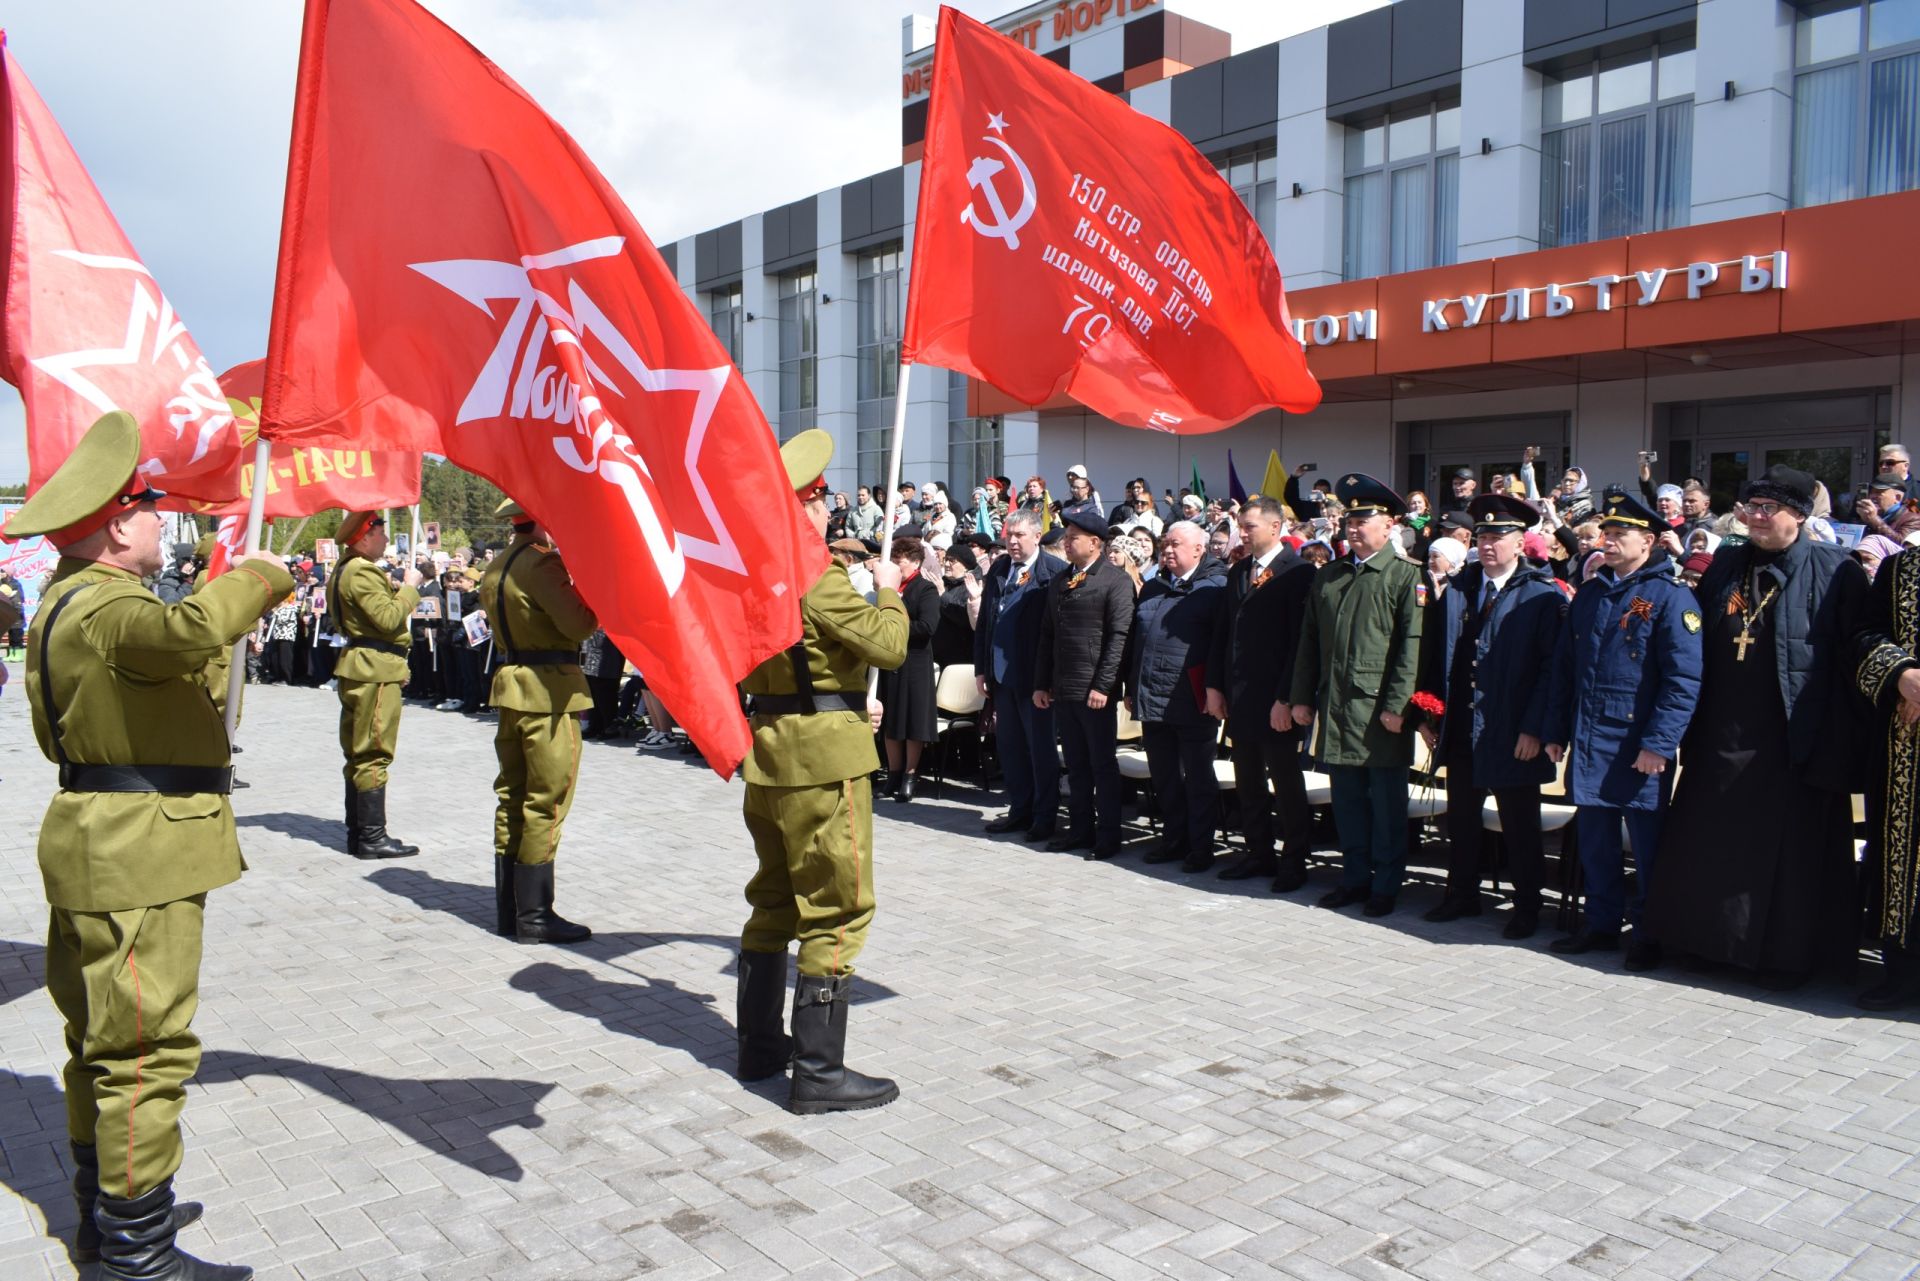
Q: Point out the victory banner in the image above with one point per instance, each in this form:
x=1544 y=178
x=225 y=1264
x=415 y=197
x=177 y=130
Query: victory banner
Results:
x=1066 y=242
x=86 y=330
x=456 y=276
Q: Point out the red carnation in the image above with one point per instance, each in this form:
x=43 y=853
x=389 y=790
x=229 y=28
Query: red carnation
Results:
x=1430 y=704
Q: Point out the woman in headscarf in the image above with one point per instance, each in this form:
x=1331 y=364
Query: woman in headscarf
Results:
x=1874 y=549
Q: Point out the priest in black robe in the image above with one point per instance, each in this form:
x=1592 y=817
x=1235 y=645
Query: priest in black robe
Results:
x=1756 y=862
x=1889 y=676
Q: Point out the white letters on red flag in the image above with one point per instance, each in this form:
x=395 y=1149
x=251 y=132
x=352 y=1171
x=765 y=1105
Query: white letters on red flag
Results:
x=456 y=276
x=1066 y=242
x=87 y=330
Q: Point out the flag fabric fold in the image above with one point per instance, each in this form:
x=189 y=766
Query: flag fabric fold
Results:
x=456 y=276
x=1236 y=492
x=1065 y=242
x=87 y=330
x=1274 y=484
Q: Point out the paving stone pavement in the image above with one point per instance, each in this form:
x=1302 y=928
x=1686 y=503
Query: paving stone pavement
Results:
x=1107 y=1070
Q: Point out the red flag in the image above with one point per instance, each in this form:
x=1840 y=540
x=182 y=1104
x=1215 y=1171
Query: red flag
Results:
x=456 y=276
x=229 y=542
x=86 y=329
x=304 y=479
x=1065 y=241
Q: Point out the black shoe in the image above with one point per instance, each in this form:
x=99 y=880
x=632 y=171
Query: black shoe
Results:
x=1377 y=905
x=1197 y=861
x=534 y=919
x=86 y=1191
x=1452 y=909
x=1643 y=955
x=887 y=784
x=1244 y=867
x=1521 y=924
x=370 y=820
x=1291 y=876
x=1010 y=822
x=1102 y=850
x=1345 y=896
x=1068 y=841
x=136 y=1241
x=765 y=1048
x=903 y=790
x=1167 y=852
x=1586 y=941
x=822 y=1081
x=1037 y=833
x=503 y=913
x=1900 y=988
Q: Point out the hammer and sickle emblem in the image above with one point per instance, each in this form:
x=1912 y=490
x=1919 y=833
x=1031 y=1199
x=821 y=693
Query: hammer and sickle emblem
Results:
x=980 y=176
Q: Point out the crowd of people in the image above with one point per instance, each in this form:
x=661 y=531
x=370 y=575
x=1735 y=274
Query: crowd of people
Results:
x=1698 y=700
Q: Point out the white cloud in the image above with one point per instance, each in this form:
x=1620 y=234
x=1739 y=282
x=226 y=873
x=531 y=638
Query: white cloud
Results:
x=698 y=115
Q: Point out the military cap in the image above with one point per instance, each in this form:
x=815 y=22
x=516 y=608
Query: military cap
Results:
x=511 y=510
x=99 y=480
x=1362 y=495
x=806 y=457
x=852 y=546
x=1619 y=507
x=1502 y=514
x=354 y=525
x=1793 y=488
x=1087 y=522
x=203 y=548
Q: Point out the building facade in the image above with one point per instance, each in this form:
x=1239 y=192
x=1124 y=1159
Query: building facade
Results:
x=1597 y=227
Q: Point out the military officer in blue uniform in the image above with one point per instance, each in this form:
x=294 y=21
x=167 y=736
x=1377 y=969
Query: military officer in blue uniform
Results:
x=1625 y=680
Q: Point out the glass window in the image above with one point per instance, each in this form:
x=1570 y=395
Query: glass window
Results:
x=876 y=360
x=1622 y=163
x=1892 y=22
x=727 y=314
x=976 y=447
x=1250 y=171
x=799 y=348
x=1626 y=82
x=1856 y=115
x=1402 y=193
x=1825 y=31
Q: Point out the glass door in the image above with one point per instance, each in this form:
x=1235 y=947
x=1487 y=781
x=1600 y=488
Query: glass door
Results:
x=1838 y=461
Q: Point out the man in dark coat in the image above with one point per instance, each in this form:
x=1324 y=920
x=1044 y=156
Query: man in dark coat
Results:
x=1263 y=606
x=1486 y=659
x=1625 y=681
x=1775 y=736
x=1006 y=643
x=1166 y=672
x=1083 y=637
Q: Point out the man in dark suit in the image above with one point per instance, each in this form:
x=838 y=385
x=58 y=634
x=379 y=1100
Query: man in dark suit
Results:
x=1264 y=604
x=1005 y=644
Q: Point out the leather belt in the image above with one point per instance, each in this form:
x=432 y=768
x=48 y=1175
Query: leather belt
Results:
x=539 y=657
x=822 y=700
x=385 y=647
x=147 y=778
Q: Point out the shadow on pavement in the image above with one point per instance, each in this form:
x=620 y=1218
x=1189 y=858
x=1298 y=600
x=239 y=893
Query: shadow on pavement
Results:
x=453 y=1116
x=35 y=1166
x=23 y=969
x=328 y=833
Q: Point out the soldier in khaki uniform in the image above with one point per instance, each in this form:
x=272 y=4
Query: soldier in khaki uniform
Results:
x=375 y=617
x=139 y=831
x=538 y=622
x=809 y=808
x=220 y=666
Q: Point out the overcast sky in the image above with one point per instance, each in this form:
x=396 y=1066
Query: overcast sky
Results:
x=698 y=114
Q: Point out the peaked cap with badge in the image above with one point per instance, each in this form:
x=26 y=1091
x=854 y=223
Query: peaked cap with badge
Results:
x=99 y=480
x=354 y=525
x=806 y=457
x=1502 y=514
x=1363 y=496
x=511 y=510
x=1621 y=508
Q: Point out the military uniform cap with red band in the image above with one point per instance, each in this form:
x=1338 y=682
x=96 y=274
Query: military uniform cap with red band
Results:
x=806 y=457
x=354 y=525
x=99 y=480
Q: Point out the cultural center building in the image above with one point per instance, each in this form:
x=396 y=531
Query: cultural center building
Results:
x=1593 y=226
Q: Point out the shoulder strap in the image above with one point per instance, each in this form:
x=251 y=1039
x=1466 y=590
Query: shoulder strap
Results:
x=500 y=624
x=49 y=707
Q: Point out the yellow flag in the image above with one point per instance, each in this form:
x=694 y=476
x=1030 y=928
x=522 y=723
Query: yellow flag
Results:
x=1274 y=483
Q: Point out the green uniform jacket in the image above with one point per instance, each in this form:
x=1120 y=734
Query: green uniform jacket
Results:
x=538 y=607
x=842 y=635
x=368 y=605
x=125 y=671
x=219 y=667
x=1360 y=656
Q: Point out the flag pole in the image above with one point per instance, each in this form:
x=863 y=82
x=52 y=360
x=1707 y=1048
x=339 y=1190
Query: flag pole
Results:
x=894 y=451
x=256 y=513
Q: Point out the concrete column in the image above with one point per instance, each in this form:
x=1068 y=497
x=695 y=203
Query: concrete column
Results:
x=1308 y=149
x=1500 y=102
x=1743 y=147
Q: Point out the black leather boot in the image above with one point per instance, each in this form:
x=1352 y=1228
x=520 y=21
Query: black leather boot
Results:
x=822 y=1081
x=534 y=919
x=370 y=810
x=503 y=913
x=904 y=791
x=86 y=1190
x=353 y=820
x=136 y=1242
x=765 y=1047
